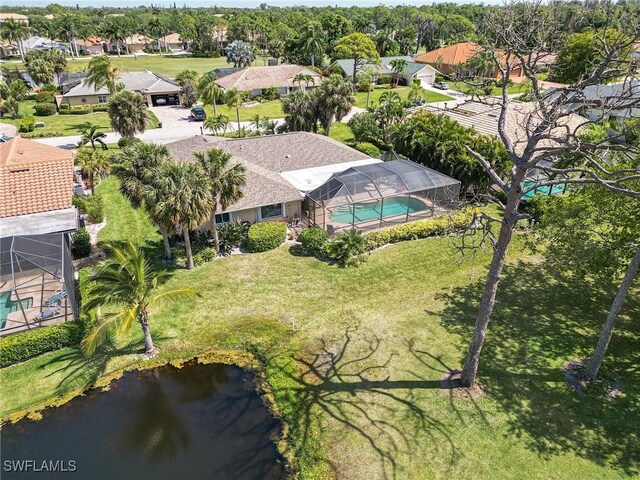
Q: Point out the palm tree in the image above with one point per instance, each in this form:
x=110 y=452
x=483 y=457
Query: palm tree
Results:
x=304 y=77
x=184 y=197
x=269 y=126
x=218 y=123
x=208 y=90
x=40 y=70
x=336 y=100
x=256 y=122
x=415 y=91
x=225 y=182
x=94 y=165
x=115 y=31
x=233 y=98
x=128 y=113
x=59 y=62
x=240 y=54
x=312 y=41
x=389 y=98
x=136 y=169
x=101 y=73
x=15 y=32
x=125 y=286
x=365 y=78
x=398 y=65
x=93 y=136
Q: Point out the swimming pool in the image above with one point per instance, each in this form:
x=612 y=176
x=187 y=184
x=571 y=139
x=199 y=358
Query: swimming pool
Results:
x=546 y=190
x=7 y=306
x=370 y=211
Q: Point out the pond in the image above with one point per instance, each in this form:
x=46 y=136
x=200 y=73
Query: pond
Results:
x=196 y=422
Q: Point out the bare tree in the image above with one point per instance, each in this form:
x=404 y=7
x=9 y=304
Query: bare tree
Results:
x=544 y=135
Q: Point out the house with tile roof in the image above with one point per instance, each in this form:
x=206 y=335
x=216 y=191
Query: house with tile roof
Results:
x=93 y=45
x=157 y=90
x=16 y=17
x=425 y=74
x=452 y=60
x=257 y=79
x=37 y=219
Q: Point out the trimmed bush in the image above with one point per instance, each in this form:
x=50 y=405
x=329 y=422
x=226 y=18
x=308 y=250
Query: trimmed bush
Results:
x=28 y=124
x=367 y=148
x=64 y=109
x=45 y=97
x=22 y=346
x=314 y=241
x=266 y=236
x=81 y=243
x=44 y=109
x=385 y=80
x=41 y=134
x=80 y=109
x=420 y=229
x=100 y=107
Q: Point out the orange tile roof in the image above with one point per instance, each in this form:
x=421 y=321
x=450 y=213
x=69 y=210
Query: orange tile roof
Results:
x=451 y=55
x=34 y=177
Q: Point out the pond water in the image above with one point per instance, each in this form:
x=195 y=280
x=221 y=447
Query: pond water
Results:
x=196 y=422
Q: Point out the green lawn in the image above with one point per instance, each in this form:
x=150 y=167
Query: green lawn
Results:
x=429 y=96
x=69 y=124
x=341 y=132
x=384 y=334
x=267 y=109
x=164 y=65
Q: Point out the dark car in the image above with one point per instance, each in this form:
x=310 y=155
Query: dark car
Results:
x=418 y=102
x=441 y=85
x=198 y=114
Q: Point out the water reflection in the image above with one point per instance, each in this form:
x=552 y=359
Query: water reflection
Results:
x=200 y=421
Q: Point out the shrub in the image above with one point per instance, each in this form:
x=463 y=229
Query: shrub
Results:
x=49 y=87
x=28 y=124
x=20 y=347
x=420 y=229
x=81 y=243
x=100 y=107
x=41 y=134
x=270 y=93
x=439 y=78
x=314 y=241
x=266 y=236
x=203 y=256
x=44 y=109
x=126 y=142
x=348 y=248
x=64 y=108
x=80 y=109
x=91 y=206
x=232 y=234
x=367 y=148
x=385 y=80
x=45 y=97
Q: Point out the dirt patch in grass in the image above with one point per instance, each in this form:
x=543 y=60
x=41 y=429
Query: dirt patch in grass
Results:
x=606 y=386
x=451 y=382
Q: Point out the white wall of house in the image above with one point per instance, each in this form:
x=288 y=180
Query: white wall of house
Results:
x=252 y=215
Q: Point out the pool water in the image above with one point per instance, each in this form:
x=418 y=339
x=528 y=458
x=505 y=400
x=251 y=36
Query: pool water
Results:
x=370 y=211
x=7 y=306
x=546 y=190
x=195 y=422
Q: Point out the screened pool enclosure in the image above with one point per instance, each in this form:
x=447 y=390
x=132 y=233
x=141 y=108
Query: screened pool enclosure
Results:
x=379 y=194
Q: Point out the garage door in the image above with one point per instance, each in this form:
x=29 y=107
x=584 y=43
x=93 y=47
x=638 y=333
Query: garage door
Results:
x=161 y=100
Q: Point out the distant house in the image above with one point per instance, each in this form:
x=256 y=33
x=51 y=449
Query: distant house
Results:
x=134 y=43
x=157 y=90
x=426 y=74
x=44 y=44
x=9 y=50
x=452 y=60
x=257 y=79
x=17 y=17
x=171 y=42
x=92 y=45
x=37 y=219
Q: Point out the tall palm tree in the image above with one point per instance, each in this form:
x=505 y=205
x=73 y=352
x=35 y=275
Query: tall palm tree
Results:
x=365 y=78
x=15 y=32
x=94 y=164
x=136 y=169
x=40 y=70
x=398 y=65
x=304 y=77
x=93 y=136
x=225 y=182
x=59 y=62
x=336 y=100
x=101 y=73
x=217 y=123
x=208 y=90
x=312 y=41
x=233 y=98
x=128 y=113
x=184 y=197
x=114 y=30
x=125 y=287
x=156 y=27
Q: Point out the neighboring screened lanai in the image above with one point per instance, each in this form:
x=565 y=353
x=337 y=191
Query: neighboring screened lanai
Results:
x=378 y=194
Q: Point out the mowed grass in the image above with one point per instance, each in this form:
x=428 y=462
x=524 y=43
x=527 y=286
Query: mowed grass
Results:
x=374 y=99
x=69 y=124
x=272 y=110
x=169 y=65
x=379 y=338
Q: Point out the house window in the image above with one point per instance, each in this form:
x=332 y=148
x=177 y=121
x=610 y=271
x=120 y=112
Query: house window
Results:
x=223 y=218
x=102 y=99
x=271 y=211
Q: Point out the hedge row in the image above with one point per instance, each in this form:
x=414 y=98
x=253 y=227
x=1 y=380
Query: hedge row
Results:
x=22 y=346
x=65 y=109
x=419 y=229
x=266 y=236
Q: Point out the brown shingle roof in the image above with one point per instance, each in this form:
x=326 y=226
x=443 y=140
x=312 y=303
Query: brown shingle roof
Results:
x=34 y=177
x=252 y=78
x=266 y=157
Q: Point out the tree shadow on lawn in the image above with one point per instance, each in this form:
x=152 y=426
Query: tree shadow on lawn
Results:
x=344 y=382
x=542 y=318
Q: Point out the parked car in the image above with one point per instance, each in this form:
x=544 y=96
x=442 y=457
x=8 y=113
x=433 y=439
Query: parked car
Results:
x=198 y=114
x=418 y=102
x=441 y=85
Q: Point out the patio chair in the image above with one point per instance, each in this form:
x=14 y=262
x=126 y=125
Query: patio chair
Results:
x=47 y=314
x=56 y=298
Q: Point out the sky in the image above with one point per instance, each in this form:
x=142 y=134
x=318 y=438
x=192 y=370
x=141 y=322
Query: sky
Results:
x=231 y=3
